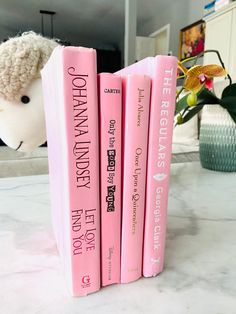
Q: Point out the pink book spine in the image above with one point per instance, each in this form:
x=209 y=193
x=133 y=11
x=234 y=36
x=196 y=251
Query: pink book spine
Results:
x=136 y=105
x=110 y=175
x=70 y=95
x=81 y=114
x=159 y=159
x=51 y=76
x=163 y=71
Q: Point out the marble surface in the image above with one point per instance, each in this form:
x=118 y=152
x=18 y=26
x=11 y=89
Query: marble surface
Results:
x=15 y=164
x=200 y=271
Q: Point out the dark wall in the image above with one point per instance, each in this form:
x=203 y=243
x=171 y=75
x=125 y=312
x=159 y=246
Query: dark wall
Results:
x=108 y=60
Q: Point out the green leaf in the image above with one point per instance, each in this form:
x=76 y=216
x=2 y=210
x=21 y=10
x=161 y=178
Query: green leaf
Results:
x=191 y=113
x=181 y=104
x=229 y=91
x=207 y=97
x=229 y=103
x=204 y=96
x=233 y=115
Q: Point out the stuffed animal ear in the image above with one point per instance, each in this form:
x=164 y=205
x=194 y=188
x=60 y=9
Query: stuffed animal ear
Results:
x=21 y=59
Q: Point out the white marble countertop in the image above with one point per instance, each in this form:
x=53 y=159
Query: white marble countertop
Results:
x=200 y=272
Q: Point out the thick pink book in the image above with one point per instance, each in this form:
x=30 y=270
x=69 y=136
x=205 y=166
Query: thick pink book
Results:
x=163 y=70
x=136 y=104
x=70 y=95
x=110 y=101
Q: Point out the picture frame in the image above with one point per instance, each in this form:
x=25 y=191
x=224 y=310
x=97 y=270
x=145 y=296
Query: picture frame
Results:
x=192 y=40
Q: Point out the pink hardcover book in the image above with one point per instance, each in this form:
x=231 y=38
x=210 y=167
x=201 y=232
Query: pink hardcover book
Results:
x=110 y=97
x=70 y=95
x=163 y=71
x=136 y=104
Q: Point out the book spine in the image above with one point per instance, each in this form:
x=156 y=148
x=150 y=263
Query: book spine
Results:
x=81 y=117
x=55 y=124
x=136 y=105
x=110 y=99
x=159 y=158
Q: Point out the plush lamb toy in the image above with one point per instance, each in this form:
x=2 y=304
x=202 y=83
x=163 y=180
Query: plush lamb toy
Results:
x=22 y=123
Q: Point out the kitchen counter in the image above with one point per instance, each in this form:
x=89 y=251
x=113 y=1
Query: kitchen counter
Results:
x=200 y=271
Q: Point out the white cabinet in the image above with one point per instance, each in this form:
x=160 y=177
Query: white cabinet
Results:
x=145 y=47
x=221 y=36
x=232 y=52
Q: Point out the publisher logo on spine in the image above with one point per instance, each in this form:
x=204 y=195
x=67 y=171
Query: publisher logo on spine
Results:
x=112 y=90
x=86 y=281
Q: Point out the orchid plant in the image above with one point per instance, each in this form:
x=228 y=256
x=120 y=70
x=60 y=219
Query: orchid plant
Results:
x=199 y=89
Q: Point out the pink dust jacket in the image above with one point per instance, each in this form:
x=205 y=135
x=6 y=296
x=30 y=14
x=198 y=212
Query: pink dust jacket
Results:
x=71 y=109
x=136 y=106
x=110 y=100
x=163 y=71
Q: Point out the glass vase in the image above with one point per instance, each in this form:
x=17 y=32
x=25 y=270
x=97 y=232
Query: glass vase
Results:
x=217 y=139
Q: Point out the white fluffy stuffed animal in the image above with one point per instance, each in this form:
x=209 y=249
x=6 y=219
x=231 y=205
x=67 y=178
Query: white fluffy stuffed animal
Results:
x=22 y=122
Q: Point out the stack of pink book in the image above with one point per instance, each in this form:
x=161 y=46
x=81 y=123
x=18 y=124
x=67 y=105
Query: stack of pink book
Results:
x=109 y=147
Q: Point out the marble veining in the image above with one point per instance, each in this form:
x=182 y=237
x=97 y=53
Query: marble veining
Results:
x=200 y=266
